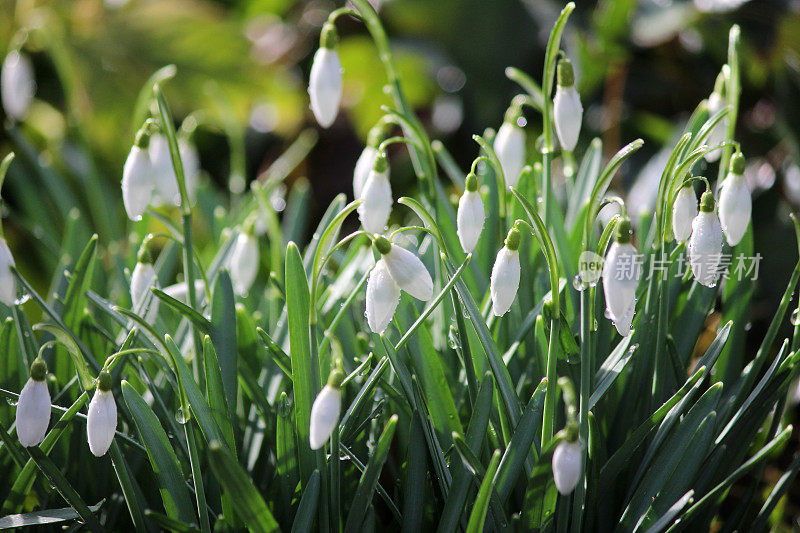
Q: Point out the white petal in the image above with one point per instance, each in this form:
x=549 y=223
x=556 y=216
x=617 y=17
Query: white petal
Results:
x=567 y=465
x=409 y=273
x=33 y=413
x=191 y=167
x=717 y=134
x=137 y=183
x=621 y=273
x=383 y=295
x=377 y=205
x=509 y=145
x=8 y=283
x=325 y=86
x=735 y=207
x=17 y=85
x=166 y=184
x=363 y=167
x=244 y=263
x=705 y=248
x=324 y=416
x=623 y=325
x=567 y=115
x=683 y=212
x=505 y=280
x=470 y=219
x=143 y=278
x=101 y=422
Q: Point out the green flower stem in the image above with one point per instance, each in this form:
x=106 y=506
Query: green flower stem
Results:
x=587 y=365
x=732 y=93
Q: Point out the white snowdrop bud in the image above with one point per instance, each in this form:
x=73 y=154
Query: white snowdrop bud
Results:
x=504 y=282
x=137 y=178
x=325 y=411
x=705 y=244
x=735 y=205
x=363 y=168
x=567 y=465
x=325 y=80
x=509 y=145
x=101 y=420
x=244 y=261
x=717 y=135
x=567 y=108
x=683 y=212
x=17 y=85
x=374 y=211
x=143 y=278
x=8 y=283
x=406 y=269
x=33 y=408
x=383 y=295
x=164 y=180
x=621 y=274
x=470 y=216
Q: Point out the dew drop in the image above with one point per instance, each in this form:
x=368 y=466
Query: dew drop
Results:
x=578 y=284
x=180 y=418
x=12 y=402
x=795 y=319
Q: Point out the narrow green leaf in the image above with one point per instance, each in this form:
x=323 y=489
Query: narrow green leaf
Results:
x=44 y=517
x=478 y=515
x=307 y=510
x=223 y=335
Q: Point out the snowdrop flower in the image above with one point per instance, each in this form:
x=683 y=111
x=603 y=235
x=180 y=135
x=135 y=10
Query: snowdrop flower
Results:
x=383 y=295
x=705 y=244
x=164 y=178
x=143 y=278
x=717 y=135
x=621 y=274
x=325 y=80
x=8 y=283
x=244 y=260
x=567 y=108
x=735 y=204
x=505 y=274
x=17 y=85
x=363 y=168
x=33 y=408
x=683 y=212
x=137 y=178
x=406 y=269
x=325 y=411
x=470 y=215
x=101 y=420
x=509 y=145
x=567 y=465
x=377 y=195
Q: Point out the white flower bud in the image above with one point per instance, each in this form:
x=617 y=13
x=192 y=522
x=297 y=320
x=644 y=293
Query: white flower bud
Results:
x=17 y=85
x=406 y=269
x=735 y=205
x=567 y=465
x=567 y=108
x=683 y=212
x=137 y=182
x=325 y=411
x=164 y=178
x=504 y=281
x=470 y=216
x=8 y=283
x=374 y=211
x=621 y=274
x=33 y=408
x=101 y=420
x=143 y=278
x=717 y=135
x=363 y=168
x=383 y=295
x=244 y=262
x=705 y=244
x=509 y=145
x=325 y=79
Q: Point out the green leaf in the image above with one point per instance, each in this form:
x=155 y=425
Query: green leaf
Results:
x=41 y=518
x=215 y=392
x=478 y=515
x=307 y=510
x=541 y=494
x=65 y=339
x=223 y=335
x=193 y=316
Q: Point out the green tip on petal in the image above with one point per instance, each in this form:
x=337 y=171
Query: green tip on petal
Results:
x=38 y=370
x=381 y=163
x=104 y=381
x=737 y=164
x=623 y=231
x=564 y=73
x=382 y=245
x=512 y=239
x=471 y=183
x=707 y=202
x=142 y=140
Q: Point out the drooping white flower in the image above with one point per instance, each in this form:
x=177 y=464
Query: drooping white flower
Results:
x=101 y=420
x=17 y=85
x=621 y=274
x=325 y=79
x=325 y=411
x=705 y=244
x=509 y=145
x=623 y=325
x=383 y=295
x=143 y=278
x=406 y=269
x=8 y=283
x=735 y=205
x=363 y=168
x=137 y=178
x=567 y=465
x=374 y=211
x=717 y=135
x=33 y=407
x=165 y=180
x=470 y=216
x=504 y=282
x=683 y=212
x=244 y=262
x=567 y=108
